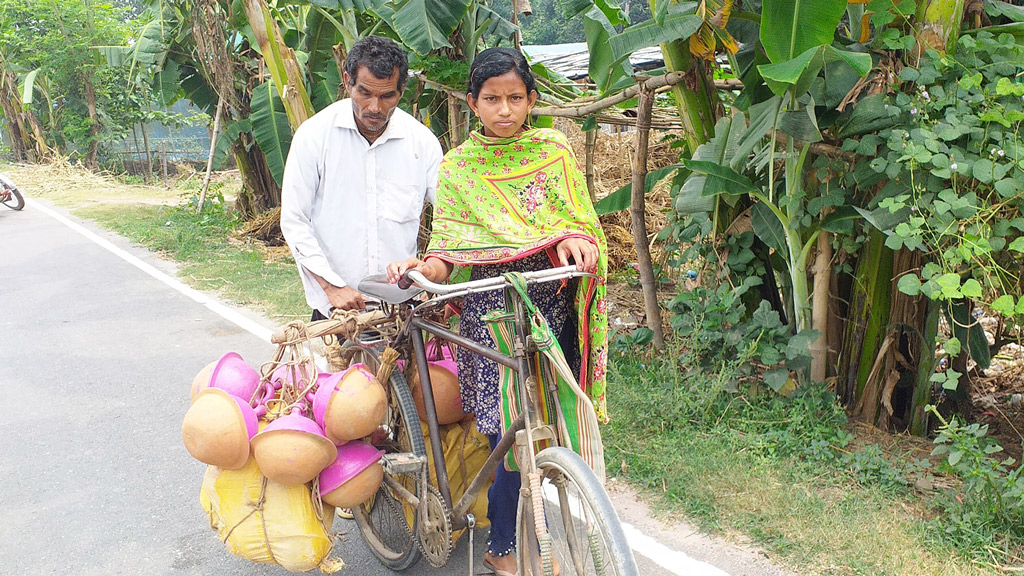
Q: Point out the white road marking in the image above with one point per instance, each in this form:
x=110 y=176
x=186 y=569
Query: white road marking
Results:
x=215 y=306
x=674 y=561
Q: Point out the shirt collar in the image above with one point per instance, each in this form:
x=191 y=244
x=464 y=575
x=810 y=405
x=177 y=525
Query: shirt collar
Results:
x=396 y=126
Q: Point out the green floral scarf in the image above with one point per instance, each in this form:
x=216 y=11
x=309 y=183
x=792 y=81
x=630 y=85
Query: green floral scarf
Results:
x=501 y=199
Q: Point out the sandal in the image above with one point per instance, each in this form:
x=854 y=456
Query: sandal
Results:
x=498 y=571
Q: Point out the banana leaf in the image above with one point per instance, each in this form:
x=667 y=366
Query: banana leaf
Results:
x=270 y=127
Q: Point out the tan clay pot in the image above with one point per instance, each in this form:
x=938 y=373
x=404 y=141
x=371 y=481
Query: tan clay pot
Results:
x=217 y=428
x=357 y=490
x=202 y=380
x=447 y=398
x=292 y=450
x=357 y=406
x=354 y=476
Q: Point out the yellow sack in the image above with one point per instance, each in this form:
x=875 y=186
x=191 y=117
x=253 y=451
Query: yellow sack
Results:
x=267 y=522
x=465 y=451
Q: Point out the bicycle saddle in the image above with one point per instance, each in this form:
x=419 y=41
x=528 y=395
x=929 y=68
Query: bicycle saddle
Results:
x=379 y=287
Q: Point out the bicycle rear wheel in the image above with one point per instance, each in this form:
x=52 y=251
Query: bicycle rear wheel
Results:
x=13 y=199
x=387 y=523
x=586 y=536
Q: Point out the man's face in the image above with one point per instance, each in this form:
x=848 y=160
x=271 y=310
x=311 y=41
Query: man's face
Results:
x=373 y=100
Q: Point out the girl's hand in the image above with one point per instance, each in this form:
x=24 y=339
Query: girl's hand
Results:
x=583 y=252
x=396 y=270
x=433 y=269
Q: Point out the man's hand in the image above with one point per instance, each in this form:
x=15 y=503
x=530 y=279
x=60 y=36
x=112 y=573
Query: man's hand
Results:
x=345 y=298
x=583 y=252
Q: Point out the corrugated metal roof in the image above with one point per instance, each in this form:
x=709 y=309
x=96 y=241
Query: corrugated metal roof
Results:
x=572 y=60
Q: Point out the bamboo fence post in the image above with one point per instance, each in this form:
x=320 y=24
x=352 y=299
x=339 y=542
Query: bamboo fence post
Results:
x=588 y=159
x=209 y=160
x=637 y=214
x=138 y=149
x=163 y=162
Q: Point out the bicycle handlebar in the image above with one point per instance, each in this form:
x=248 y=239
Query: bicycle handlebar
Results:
x=488 y=284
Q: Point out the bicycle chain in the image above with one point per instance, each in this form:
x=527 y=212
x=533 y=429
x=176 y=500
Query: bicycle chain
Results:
x=400 y=514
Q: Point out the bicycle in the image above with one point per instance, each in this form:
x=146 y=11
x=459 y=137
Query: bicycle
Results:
x=9 y=194
x=564 y=511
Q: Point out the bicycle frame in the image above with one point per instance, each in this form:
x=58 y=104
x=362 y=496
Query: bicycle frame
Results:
x=527 y=428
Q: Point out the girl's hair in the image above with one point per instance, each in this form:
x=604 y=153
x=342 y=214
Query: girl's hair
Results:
x=495 y=62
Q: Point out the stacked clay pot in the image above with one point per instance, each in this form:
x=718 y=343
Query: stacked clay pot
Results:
x=293 y=449
x=444 y=382
x=222 y=428
x=220 y=423
x=353 y=477
x=350 y=405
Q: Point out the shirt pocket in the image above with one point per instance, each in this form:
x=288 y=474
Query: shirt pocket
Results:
x=401 y=202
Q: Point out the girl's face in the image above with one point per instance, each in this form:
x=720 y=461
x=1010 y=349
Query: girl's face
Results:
x=503 y=104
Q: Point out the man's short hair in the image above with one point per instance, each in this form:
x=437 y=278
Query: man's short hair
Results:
x=381 y=56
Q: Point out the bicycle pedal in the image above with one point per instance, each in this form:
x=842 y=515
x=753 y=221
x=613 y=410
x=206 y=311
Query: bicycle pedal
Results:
x=403 y=463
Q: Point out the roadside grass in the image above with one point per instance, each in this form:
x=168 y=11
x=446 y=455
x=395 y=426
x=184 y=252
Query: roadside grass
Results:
x=781 y=472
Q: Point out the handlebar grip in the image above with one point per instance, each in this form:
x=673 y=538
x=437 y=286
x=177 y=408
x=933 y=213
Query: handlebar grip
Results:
x=405 y=281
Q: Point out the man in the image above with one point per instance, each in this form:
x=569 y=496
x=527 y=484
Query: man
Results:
x=355 y=181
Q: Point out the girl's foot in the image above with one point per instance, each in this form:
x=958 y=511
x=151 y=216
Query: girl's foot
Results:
x=506 y=565
x=501 y=565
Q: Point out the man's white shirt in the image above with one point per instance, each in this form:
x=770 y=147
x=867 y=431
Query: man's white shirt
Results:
x=348 y=207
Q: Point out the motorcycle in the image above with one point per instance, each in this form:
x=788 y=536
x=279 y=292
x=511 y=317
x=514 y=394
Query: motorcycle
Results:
x=9 y=194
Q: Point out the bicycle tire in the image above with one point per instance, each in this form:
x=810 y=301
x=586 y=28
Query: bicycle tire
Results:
x=593 y=521
x=16 y=201
x=382 y=520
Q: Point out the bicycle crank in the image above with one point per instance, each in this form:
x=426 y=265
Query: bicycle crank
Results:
x=436 y=529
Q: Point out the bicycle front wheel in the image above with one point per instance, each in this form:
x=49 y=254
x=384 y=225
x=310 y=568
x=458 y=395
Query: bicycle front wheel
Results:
x=586 y=537
x=12 y=199
x=387 y=522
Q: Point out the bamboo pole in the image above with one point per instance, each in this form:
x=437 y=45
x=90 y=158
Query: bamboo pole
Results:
x=588 y=154
x=582 y=111
x=209 y=160
x=149 y=155
x=163 y=162
x=637 y=215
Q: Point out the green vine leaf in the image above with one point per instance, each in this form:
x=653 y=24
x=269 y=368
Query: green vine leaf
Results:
x=909 y=284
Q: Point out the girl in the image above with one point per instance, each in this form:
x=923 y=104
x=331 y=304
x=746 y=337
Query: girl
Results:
x=512 y=198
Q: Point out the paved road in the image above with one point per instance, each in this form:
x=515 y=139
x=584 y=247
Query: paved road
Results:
x=97 y=357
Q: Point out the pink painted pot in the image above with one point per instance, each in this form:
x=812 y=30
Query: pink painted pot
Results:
x=326 y=388
x=230 y=374
x=217 y=429
x=355 y=405
x=293 y=449
x=354 y=477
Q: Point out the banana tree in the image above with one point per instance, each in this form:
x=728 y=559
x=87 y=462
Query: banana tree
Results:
x=797 y=40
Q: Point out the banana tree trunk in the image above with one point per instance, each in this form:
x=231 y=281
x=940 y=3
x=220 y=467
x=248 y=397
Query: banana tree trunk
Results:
x=820 y=301
x=259 y=190
x=867 y=317
x=925 y=368
x=94 y=123
x=26 y=133
x=938 y=25
x=696 y=97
